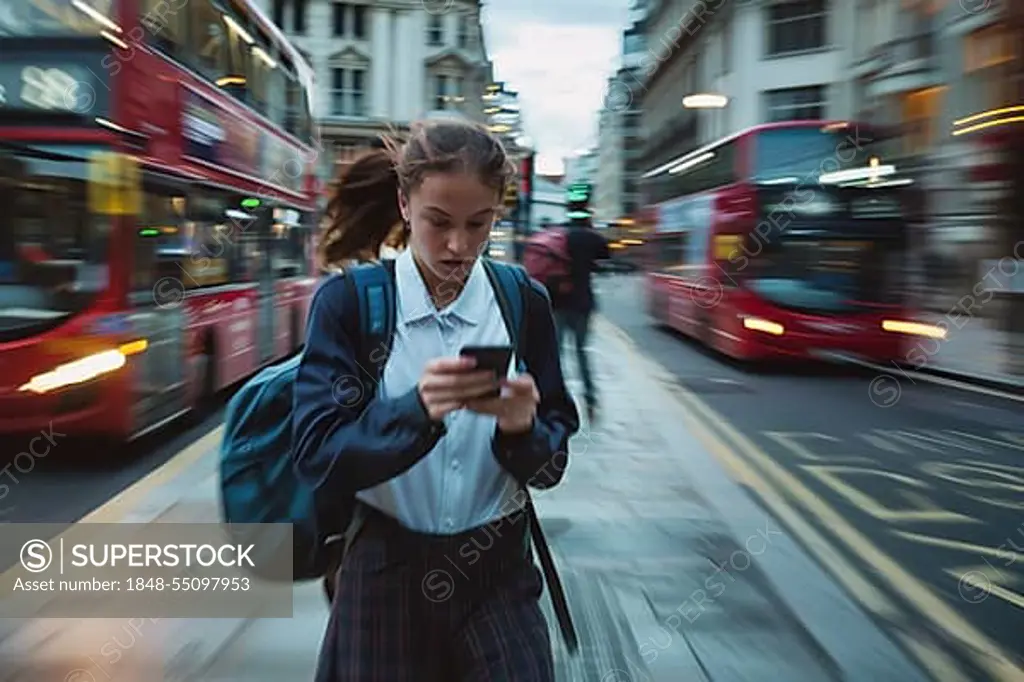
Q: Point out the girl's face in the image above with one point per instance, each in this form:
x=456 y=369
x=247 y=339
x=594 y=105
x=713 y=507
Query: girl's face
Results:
x=450 y=217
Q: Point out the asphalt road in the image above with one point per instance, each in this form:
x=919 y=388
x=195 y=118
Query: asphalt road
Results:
x=920 y=487
x=74 y=478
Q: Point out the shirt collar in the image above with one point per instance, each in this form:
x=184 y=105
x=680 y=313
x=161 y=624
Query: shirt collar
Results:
x=414 y=304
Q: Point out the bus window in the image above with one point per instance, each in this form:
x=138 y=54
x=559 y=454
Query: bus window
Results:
x=287 y=243
x=802 y=155
x=54 y=258
x=261 y=66
x=840 y=274
x=277 y=108
x=672 y=250
x=294 y=122
x=37 y=18
x=159 y=232
x=235 y=82
x=209 y=52
x=168 y=28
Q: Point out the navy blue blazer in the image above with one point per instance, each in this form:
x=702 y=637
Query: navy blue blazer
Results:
x=339 y=447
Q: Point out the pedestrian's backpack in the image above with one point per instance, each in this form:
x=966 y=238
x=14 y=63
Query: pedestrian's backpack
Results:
x=546 y=259
x=259 y=484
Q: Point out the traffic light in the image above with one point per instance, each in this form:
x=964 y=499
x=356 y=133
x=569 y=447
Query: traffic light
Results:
x=577 y=200
x=578 y=193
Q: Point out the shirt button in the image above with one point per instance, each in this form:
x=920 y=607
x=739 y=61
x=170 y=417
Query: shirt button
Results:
x=449 y=523
x=455 y=465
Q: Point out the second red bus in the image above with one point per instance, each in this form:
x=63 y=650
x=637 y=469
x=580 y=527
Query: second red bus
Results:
x=785 y=241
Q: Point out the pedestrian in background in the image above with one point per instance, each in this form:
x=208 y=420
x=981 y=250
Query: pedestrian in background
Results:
x=575 y=307
x=437 y=463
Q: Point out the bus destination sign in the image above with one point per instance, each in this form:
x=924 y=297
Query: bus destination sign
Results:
x=51 y=83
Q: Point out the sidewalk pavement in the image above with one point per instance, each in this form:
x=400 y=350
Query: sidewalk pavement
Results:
x=673 y=573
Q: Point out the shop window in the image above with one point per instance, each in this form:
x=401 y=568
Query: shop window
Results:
x=921 y=119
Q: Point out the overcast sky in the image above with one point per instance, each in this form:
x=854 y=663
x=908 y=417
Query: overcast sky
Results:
x=557 y=54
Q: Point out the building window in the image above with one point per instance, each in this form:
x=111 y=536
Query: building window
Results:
x=465 y=31
x=921 y=111
x=359 y=21
x=349 y=21
x=435 y=30
x=440 y=92
x=448 y=92
x=727 y=47
x=797 y=26
x=279 y=13
x=794 y=104
x=988 y=47
x=299 y=17
x=348 y=96
x=340 y=11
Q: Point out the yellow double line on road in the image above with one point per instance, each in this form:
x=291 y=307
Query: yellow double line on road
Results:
x=755 y=468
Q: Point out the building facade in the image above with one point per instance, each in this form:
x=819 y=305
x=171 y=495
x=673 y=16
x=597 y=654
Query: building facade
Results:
x=772 y=60
x=580 y=168
x=620 y=142
x=381 y=64
x=933 y=69
x=547 y=203
x=937 y=72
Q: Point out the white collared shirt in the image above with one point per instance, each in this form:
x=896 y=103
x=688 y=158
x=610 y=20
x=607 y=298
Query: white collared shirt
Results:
x=459 y=485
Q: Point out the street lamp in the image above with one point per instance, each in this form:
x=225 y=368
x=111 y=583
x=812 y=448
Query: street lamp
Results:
x=705 y=101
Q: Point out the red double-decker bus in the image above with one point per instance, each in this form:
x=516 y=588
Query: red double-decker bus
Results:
x=785 y=241
x=157 y=204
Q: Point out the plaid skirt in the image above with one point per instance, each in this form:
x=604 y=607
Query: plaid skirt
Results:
x=412 y=607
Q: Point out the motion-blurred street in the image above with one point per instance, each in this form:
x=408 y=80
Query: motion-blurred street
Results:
x=760 y=525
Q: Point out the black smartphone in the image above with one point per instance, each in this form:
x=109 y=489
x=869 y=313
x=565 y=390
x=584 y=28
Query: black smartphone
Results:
x=493 y=358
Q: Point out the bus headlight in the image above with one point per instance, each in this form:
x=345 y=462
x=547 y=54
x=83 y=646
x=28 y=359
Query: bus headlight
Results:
x=932 y=331
x=762 y=325
x=84 y=369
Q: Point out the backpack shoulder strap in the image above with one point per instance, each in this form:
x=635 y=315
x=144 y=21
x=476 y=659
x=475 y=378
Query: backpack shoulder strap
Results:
x=372 y=286
x=371 y=291
x=511 y=288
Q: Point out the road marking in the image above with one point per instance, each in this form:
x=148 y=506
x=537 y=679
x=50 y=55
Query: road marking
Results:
x=987 y=654
x=1008 y=443
x=941 y=381
x=881 y=443
x=969 y=575
x=959 y=545
x=788 y=439
x=925 y=441
x=952 y=472
x=869 y=596
x=926 y=510
x=117 y=507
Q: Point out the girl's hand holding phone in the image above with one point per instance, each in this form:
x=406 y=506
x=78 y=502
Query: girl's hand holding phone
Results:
x=450 y=384
x=515 y=408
